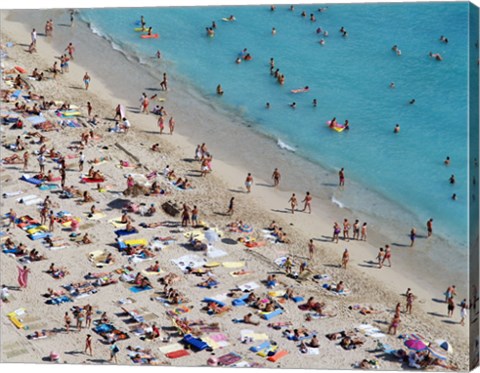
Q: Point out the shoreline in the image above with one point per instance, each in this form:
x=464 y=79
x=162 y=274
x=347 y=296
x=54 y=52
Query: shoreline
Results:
x=267 y=200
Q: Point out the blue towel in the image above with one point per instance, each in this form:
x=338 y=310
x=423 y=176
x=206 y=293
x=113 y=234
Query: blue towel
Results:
x=31 y=180
x=138 y=289
x=210 y=300
x=49 y=187
x=298 y=299
x=39 y=235
x=196 y=343
x=273 y=314
x=103 y=328
x=124 y=232
x=260 y=347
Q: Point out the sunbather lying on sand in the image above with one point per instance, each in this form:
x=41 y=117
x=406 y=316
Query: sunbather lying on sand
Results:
x=169 y=279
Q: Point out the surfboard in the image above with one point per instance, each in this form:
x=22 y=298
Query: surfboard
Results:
x=140 y=29
x=227 y=20
x=153 y=36
x=21 y=70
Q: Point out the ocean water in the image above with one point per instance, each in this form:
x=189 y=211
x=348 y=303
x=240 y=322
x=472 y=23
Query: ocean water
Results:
x=350 y=79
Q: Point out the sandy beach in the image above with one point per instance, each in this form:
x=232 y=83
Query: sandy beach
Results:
x=368 y=286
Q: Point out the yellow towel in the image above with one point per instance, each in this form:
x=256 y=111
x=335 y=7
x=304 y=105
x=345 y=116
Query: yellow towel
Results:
x=233 y=264
x=277 y=293
x=264 y=353
x=148 y=273
x=136 y=242
x=96 y=216
x=116 y=223
x=37 y=229
x=211 y=265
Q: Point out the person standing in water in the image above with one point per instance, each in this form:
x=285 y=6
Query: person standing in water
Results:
x=429 y=227
x=341 y=176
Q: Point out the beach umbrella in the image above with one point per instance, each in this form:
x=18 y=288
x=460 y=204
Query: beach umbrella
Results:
x=211 y=236
x=445 y=345
x=437 y=353
x=415 y=344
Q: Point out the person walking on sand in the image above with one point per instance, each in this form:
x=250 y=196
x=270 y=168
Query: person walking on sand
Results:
x=70 y=49
x=311 y=249
x=345 y=258
x=68 y=321
x=450 y=293
x=89 y=109
x=463 y=312
x=88 y=344
x=380 y=257
x=410 y=298
x=145 y=102
x=450 y=306
x=346 y=230
x=413 y=235
x=23 y=276
x=164 y=83
x=26 y=156
x=230 y=206
x=293 y=202
x=388 y=255
x=392 y=329
x=86 y=81
x=171 y=125
x=113 y=352
x=307 y=200
x=276 y=177
x=249 y=182
x=429 y=227
x=161 y=124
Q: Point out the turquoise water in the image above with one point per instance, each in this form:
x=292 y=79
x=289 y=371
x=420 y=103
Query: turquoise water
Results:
x=350 y=79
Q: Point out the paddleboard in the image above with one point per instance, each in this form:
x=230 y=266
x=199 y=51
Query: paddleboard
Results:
x=153 y=36
x=227 y=20
x=140 y=29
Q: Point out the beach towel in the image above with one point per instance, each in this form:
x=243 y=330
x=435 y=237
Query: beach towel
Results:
x=15 y=317
x=95 y=216
x=269 y=351
x=26 y=198
x=30 y=180
x=124 y=232
x=37 y=119
x=116 y=223
x=138 y=289
x=39 y=235
x=250 y=334
x=171 y=348
x=35 y=201
x=195 y=343
x=12 y=194
x=249 y=286
x=260 y=347
x=49 y=187
x=233 y=264
x=91 y=180
x=240 y=273
x=229 y=359
x=213 y=252
x=278 y=356
x=271 y=315
x=192 y=261
x=59 y=300
x=240 y=301
x=177 y=354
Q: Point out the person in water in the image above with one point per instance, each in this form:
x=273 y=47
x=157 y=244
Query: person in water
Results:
x=219 y=90
x=396 y=129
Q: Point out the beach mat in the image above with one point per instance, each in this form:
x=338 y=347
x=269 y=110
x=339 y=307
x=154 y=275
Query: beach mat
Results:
x=177 y=354
x=229 y=359
x=278 y=356
x=137 y=289
x=233 y=264
x=170 y=348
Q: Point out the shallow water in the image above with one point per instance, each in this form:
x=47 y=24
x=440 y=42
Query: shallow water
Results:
x=350 y=79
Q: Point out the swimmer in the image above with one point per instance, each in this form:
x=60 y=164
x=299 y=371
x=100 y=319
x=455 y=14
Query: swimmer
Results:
x=312 y=18
x=314 y=102
x=272 y=63
x=447 y=161
x=214 y=25
x=159 y=55
x=267 y=105
x=274 y=30
x=392 y=85
x=304 y=14
x=231 y=18
x=219 y=90
x=319 y=30
x=454 y=196
x=396 y=129
x=452 y=179
x=412 y=101
x=293 y=105
x=443 y=39
x=238 y=60
x=322 y=41
x=437 y=56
